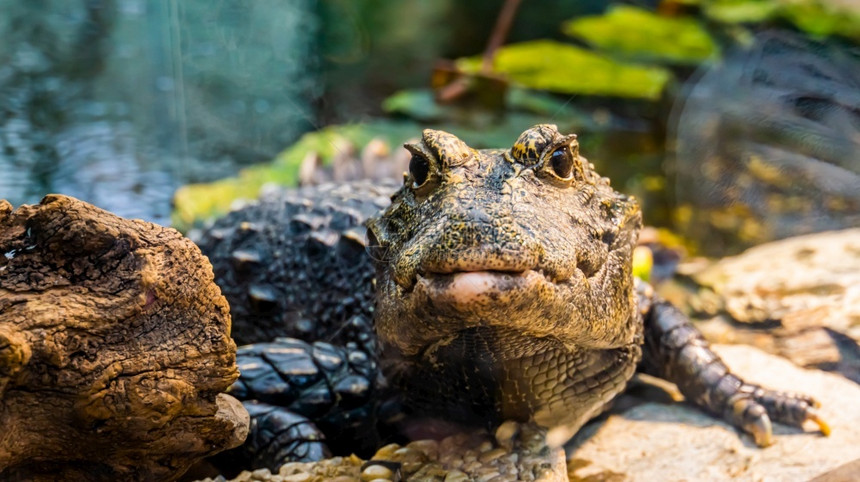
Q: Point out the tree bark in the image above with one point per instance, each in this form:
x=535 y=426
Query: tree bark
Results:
x=114 y=348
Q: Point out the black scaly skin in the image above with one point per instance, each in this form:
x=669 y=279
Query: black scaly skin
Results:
x=676 y=351
x=276 y=435
x=287 y=383
x=504 y=292
x=294 y=264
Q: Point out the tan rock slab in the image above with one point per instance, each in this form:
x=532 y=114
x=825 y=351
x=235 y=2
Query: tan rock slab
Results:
x=678 y=442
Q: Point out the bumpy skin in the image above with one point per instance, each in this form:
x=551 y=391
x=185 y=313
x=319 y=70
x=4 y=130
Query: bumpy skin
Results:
x=287 y=383
x=552 y=333
x=503 y=292
x=294 y=264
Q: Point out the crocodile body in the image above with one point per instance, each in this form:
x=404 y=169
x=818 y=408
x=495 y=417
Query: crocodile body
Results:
x=502 y=291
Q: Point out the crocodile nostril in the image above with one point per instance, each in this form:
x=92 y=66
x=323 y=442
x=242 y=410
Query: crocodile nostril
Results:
x=419 y=168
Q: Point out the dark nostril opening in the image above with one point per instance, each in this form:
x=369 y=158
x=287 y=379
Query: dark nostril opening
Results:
x=419 y=168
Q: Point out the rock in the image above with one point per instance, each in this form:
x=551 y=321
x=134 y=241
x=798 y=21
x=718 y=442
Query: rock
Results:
x=114 y=348
x=677 y=442
x=798 y=298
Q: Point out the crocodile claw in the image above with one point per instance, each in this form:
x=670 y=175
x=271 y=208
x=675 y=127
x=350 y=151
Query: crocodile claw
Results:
x=754 y=408
x=813 y=416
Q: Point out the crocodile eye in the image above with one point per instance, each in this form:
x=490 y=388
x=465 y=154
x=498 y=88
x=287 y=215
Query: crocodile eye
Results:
x=419 y=167
x=562 y=162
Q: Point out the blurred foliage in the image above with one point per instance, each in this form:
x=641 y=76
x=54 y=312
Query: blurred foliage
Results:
x=824 y=18
x=370 y=48
x=739 y=11
x=816 y=17
x=568 y=69
x=635 y=33
x=420 y=104
x=643 y=262
x=619 y=85
x=196 y=202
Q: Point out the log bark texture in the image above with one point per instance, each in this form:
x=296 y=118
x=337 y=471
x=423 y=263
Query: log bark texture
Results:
x=114 y=348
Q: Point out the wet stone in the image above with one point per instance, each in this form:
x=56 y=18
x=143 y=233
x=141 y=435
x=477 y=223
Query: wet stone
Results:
x=492 y=455
x=261 y=474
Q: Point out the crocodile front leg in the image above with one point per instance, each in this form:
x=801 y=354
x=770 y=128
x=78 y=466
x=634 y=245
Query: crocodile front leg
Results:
x=676 y=351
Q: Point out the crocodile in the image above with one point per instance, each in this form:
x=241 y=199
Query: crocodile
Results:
x=490 y=287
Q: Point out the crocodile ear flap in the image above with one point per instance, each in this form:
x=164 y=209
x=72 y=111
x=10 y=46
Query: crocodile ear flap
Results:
x=448 y=149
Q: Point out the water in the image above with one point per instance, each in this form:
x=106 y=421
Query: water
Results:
x=119 y=102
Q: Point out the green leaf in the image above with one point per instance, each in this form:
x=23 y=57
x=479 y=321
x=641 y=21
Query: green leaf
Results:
x=565 y=68
x=824 y=19
x=635 y=33
x=741 y=11
x=815 y=17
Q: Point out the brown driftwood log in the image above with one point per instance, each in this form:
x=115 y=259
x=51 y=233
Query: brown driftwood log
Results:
x=114 y=348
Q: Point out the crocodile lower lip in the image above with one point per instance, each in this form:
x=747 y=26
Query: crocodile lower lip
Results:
x=464 y=288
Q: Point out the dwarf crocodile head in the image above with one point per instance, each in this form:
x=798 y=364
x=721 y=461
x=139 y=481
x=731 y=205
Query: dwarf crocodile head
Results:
x=528 y=239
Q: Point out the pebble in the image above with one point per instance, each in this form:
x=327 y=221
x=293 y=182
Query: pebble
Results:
x=430 y=448
x=302 y=477
x=456 y=476
x=459 y=458
x=386 y=452
x=261 y=474
x=291 y=468
x=374 y=472
x=487 y=474
x=492 y=455
x=345 y=478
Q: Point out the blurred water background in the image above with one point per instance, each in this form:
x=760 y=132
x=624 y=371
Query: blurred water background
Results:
x=123 y=102
x=120 y=102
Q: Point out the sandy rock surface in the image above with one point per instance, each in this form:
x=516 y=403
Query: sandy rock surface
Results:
x=656 y=441
x=798 y=298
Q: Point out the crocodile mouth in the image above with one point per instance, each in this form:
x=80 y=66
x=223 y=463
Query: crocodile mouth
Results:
x=467 y=288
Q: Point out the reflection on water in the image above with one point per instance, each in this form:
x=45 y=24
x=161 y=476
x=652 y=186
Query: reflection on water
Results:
x=118 y=102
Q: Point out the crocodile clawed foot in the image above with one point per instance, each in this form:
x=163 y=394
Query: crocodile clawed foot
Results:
x=753 y=409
